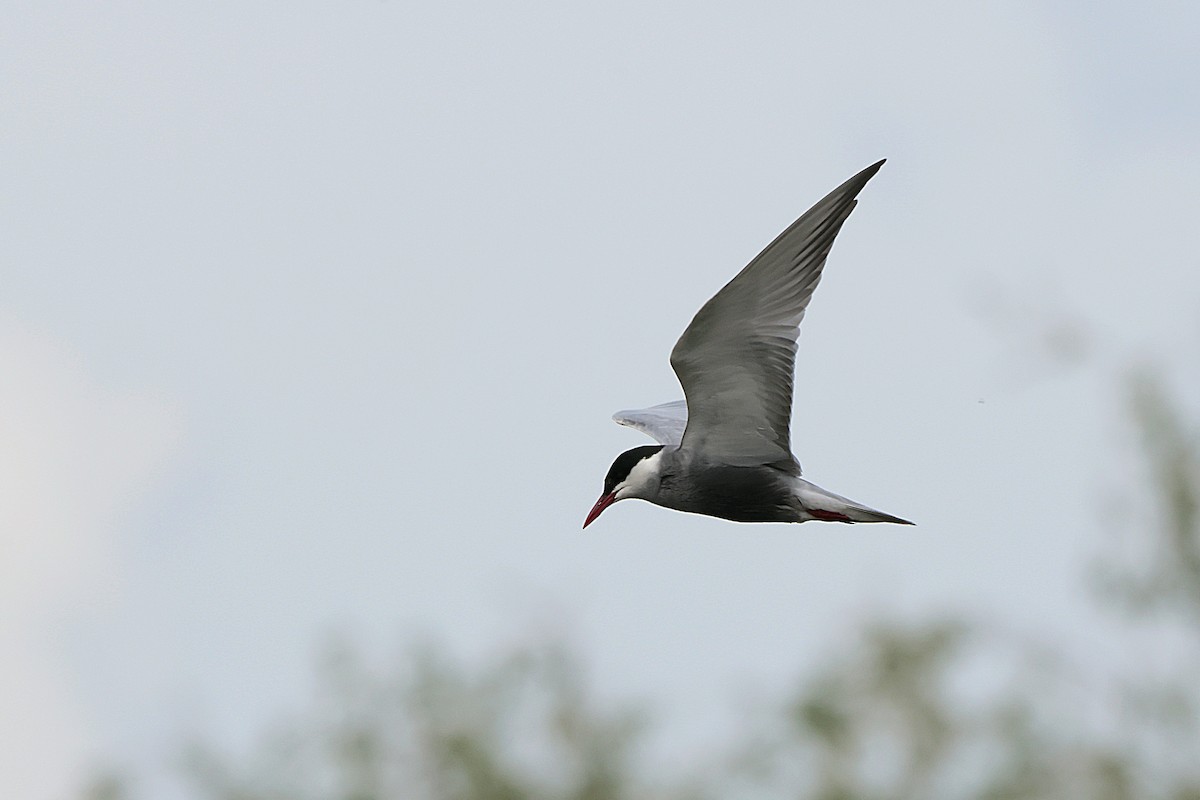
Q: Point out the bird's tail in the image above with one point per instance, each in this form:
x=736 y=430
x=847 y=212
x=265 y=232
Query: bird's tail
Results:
x=824 y=505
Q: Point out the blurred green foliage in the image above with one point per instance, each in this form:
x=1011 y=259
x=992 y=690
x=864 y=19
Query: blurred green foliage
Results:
x=523 y=727
x=942 y=709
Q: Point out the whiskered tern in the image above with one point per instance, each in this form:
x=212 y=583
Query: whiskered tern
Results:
x=725 y=449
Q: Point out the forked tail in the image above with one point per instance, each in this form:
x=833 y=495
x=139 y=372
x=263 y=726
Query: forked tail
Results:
x=829 y=507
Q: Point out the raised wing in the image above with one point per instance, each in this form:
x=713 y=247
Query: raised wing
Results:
x=737 y=359
x=663 y=423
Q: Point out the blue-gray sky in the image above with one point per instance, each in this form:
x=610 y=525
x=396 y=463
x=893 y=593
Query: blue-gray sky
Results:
x=313 y=318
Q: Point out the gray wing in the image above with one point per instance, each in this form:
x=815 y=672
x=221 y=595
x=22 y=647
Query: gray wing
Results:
x=663 y=423
x=737 y=359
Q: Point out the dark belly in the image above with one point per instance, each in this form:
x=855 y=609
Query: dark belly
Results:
x=741 y=494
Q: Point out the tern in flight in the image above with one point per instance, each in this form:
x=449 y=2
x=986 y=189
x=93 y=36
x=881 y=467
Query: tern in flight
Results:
x=725 y=449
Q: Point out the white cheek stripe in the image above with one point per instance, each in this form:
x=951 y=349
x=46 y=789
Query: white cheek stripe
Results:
x=643 y=475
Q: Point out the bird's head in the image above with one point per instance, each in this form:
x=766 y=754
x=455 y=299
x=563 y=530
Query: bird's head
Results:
x=635 y=473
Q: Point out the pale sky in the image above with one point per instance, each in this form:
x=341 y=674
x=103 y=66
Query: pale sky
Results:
x=314 y=317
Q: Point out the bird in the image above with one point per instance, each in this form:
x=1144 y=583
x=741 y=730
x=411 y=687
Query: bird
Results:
x=725 y=449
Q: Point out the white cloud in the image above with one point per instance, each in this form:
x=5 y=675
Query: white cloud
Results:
x=75 y=457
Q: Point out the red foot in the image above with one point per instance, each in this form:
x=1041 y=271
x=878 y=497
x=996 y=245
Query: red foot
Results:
x=828 y=516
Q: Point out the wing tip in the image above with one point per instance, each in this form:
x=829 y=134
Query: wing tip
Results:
x=870 y=171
